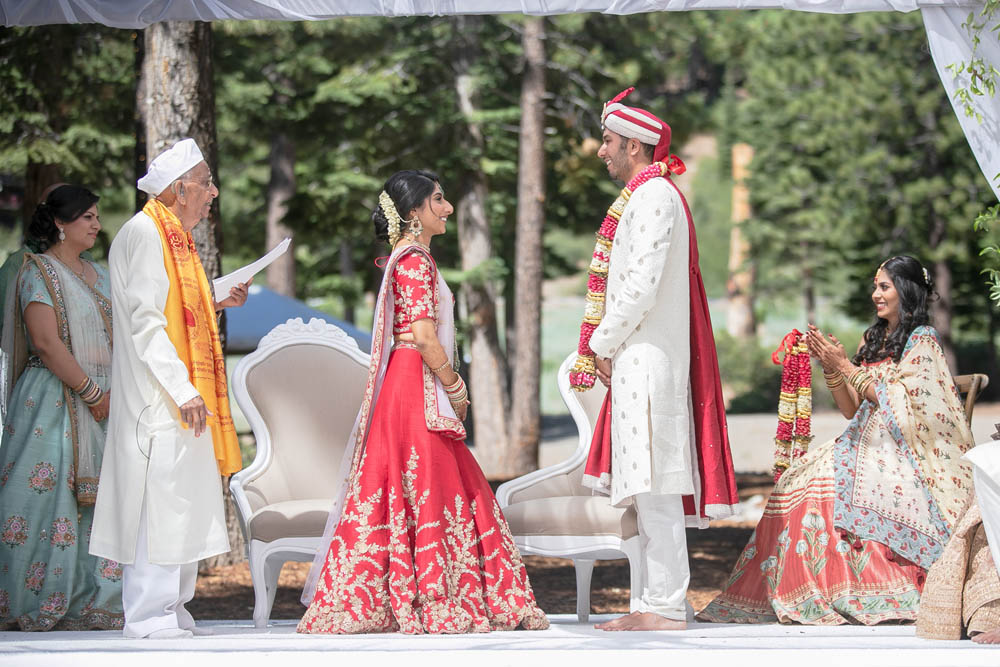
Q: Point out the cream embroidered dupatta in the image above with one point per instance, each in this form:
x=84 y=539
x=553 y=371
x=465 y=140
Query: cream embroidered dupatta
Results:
x=900 y=478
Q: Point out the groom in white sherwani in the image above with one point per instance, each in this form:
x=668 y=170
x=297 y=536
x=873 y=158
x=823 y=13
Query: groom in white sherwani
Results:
x=643 y=354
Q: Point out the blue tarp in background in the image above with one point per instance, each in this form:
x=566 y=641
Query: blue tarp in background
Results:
x=266 y=309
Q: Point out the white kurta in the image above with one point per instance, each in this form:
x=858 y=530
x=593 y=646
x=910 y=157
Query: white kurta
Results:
x=148 y=452
x=646 y=332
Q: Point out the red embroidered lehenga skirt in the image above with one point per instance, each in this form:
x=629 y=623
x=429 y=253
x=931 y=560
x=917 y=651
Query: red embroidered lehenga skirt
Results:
x=422 y=545
x=798 y=568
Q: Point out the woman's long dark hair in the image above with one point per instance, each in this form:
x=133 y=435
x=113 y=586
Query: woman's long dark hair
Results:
x=914 y=291
x=65 y=204
x=409 y=189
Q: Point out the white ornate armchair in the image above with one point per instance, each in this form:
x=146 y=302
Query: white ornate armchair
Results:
x=551 y=513
x=300 y=391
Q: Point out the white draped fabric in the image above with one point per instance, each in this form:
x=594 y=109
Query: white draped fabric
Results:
x=141 y=13
x=949 y=42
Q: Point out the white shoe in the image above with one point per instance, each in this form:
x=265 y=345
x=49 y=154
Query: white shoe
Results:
x=170 y=633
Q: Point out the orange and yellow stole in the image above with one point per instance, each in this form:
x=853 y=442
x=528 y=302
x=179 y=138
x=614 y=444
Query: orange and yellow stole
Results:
x=194 y=331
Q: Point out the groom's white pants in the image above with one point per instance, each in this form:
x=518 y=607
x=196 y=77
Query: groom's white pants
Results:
x=663 y=555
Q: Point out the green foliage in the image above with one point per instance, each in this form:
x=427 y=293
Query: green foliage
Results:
x=858 y=155
x=750 y=379
x=711 y=208
x=363 y=97
x=982 y=75
x=67 y=98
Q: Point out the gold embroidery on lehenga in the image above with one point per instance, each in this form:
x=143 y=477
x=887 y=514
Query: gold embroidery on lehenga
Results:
x=367 y=587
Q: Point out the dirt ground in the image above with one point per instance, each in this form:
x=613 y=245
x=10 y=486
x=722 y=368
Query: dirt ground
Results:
x=226 y=593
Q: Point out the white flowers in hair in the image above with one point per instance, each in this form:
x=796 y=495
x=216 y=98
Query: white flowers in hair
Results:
x=927 y=278
x=392 y=215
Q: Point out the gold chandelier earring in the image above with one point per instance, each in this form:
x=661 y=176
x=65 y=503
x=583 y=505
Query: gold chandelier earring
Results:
x=415 y=227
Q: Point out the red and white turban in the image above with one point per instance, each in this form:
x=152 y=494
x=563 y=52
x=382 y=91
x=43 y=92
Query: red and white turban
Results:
x=636 y=123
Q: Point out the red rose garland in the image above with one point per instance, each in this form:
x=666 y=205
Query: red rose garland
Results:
x=584 y=374
x=795 y=402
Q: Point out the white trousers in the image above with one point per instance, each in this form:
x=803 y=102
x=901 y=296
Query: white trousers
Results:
x=664 y=557
x=988 y=497
x=153 y=596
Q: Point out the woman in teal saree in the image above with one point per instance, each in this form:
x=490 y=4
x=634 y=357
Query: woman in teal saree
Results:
x=57 y=369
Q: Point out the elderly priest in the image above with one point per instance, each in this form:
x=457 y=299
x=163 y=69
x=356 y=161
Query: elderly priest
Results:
x=170 y=436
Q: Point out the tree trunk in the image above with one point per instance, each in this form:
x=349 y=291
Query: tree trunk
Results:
x=526 y=363
x=37 y=177
x=991 y=348
x=488 y=371
x=281 y=187
x=740 y=320
x=940 y=312
x=808 y=285
x=940 y=308
x=138 y=115
x=179 y=102
x=347 y=272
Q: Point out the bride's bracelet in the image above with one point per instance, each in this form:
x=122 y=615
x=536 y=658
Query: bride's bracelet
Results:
x=457 y=392
x=441 y=367
x=455 y=386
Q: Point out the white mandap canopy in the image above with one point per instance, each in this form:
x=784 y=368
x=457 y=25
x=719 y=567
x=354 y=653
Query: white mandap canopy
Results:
x=949 y=41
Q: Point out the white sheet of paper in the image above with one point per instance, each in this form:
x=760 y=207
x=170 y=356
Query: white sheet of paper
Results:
x=223 y=284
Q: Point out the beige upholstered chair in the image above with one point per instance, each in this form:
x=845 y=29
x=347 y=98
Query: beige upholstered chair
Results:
x=300 y=391
x=551 y=513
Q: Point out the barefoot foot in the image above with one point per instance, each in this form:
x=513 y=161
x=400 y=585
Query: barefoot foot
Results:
x=613 y=624
x=642 y=621
x=989 y=637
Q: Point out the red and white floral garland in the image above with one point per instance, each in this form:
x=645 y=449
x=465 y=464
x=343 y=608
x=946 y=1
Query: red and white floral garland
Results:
x=795 y=402
x=584 y=374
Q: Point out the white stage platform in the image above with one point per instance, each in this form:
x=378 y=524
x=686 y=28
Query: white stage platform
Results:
x=566 y=644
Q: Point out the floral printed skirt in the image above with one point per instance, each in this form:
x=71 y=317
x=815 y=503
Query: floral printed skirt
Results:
x=48 y=580
x=422 y=545
x=798 y=568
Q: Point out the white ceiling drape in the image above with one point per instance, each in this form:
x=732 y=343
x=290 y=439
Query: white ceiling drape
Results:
x=141 y=13
x=949 y=41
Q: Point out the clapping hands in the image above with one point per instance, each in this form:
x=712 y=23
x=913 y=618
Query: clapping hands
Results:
x=826 y=349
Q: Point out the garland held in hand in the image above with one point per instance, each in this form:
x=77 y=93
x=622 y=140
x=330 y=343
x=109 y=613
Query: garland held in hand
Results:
x=584 y=373
x=795 y=402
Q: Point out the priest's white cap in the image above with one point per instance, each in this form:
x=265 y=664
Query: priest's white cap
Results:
x=170 y=165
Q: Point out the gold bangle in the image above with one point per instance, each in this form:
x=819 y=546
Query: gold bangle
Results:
x=860 y=380
x=441 y=367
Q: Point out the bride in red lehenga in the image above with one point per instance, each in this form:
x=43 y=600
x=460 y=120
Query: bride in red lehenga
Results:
x=417 y=542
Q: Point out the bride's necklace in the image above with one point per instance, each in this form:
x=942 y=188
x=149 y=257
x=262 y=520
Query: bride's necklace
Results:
x=417 y=243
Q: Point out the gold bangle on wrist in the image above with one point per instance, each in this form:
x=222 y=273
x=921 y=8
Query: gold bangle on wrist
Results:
x=441 y=367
